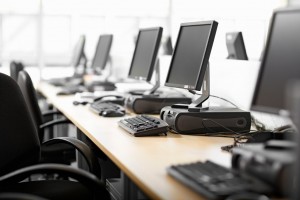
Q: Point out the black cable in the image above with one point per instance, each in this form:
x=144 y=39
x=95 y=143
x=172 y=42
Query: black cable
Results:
x=224 y=100
x=237 y=136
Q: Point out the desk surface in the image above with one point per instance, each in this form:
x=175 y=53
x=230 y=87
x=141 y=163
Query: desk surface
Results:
x=143 y=159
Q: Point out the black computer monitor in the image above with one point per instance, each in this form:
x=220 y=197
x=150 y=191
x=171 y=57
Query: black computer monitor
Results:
x=191 y=55
x=102 y=53
x=167 y=46
x=78 y=52
x=235 y=46
x=145 y=53
x=281 y=62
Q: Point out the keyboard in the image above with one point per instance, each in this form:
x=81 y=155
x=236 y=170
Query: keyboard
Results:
x=107 y=109
x=144 y=125
x=214 y=181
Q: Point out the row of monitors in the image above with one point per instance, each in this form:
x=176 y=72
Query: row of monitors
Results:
x=234 y=42
x=280 y=62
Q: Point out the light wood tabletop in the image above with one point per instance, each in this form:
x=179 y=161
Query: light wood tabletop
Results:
x=143 y=159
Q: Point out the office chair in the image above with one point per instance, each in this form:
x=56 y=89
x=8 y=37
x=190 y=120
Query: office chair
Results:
x=57 y=153
x=20 y=151
x=15 y=68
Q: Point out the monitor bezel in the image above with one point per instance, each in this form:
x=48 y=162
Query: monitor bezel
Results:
x=205 y=60
x=153 y=60
x=77 y=61
x=260 y=108
x=107 y=51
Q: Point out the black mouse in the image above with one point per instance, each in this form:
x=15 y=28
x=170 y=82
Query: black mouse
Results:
x=112 y=113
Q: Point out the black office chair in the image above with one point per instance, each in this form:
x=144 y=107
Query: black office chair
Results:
x=15 y=68
x=57 y=153
x=20 y=150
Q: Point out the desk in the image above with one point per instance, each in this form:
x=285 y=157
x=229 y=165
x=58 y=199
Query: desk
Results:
x=144 y=160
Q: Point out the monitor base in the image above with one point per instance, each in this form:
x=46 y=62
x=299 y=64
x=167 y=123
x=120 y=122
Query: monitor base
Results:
x=211 y=120
x=152 y=104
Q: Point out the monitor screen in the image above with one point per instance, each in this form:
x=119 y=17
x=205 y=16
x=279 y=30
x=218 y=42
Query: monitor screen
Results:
x=102 y=52
x=191 y=55
x=280 y=64
x=145 y=53
x=78 y=51
x=235 y=46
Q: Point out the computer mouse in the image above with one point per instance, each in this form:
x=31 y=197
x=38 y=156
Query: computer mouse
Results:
x=112 y=113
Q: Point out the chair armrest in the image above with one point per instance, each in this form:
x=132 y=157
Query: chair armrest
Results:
x=51 y=112
x=87 y=179
x=55 y=122
x=84 y=149
x=19 y=196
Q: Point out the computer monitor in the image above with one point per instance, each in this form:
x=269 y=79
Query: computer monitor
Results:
x=102 y=53
x=145 y=53
x=78 y=52
x=191 y=55
x=167 y=46
x=280 y=63
x=235 y=46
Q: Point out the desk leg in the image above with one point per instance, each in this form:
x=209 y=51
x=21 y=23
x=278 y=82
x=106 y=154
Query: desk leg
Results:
x=130 y=189
x=108 y=168
x=80 y=159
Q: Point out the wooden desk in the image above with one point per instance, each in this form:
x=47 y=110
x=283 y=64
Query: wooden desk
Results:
x=145 y=159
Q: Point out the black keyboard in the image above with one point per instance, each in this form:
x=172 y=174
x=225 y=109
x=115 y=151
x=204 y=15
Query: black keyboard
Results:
x=214 y=181
x=144 y=125
x=107 y=109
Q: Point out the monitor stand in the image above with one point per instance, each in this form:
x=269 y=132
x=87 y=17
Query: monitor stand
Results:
x=195 y=118
x=152 y=101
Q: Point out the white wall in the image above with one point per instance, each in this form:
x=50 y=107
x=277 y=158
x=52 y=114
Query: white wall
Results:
x=44 y=31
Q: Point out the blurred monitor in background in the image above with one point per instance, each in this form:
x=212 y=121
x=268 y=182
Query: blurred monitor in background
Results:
x=167 y=46
x=236 y=46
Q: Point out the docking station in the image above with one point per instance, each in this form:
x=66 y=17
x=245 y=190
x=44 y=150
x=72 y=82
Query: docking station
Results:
x=152 y=104
x=211 y=120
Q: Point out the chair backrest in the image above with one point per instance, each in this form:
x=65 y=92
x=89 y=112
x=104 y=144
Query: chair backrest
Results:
x=19 y=142
x=15 y=68
x=31 y=100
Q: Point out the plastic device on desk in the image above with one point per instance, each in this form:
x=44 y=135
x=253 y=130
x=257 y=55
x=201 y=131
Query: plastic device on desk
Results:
x=144 y=125
x=107 y=109
x=216 y=182
x=71 y=89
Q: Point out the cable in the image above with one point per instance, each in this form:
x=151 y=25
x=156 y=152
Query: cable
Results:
x=239 y=137
x=195 y=93
x=225 y=100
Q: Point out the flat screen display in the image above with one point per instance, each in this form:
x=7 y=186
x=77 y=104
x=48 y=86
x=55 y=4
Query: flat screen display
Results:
x=236 y=46
x=78 y=51
x=281 y=62
x=102 y=52
x=145 y=53
x=191 y=55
